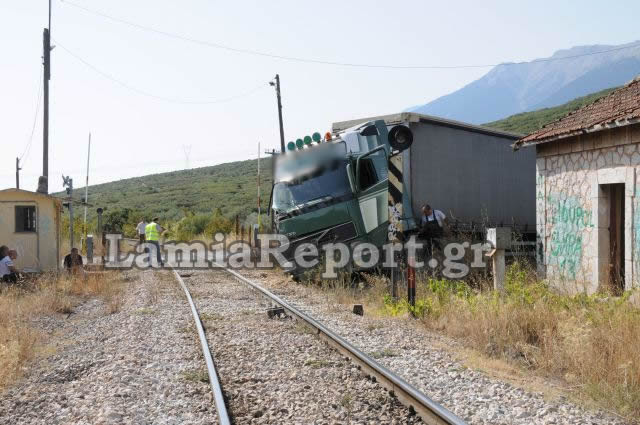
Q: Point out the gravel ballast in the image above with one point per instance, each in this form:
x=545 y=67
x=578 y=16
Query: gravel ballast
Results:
x=276 y=371
x=140 y=365
x=413 y=352
x=143 y=365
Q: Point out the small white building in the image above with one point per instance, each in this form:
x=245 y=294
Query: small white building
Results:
x=30 y=224
x=588 y=194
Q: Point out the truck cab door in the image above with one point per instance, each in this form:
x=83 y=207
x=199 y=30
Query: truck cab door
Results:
x=371 y=181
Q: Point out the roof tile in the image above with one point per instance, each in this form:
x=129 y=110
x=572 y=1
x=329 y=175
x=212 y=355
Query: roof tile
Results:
x=617 y=107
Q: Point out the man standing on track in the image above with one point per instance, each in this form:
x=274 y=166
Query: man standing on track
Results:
x=152 y=234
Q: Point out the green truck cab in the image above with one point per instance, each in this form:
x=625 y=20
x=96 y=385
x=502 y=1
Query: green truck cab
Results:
x=335 y=190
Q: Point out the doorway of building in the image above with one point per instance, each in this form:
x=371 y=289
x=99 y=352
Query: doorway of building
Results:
x=615 y=195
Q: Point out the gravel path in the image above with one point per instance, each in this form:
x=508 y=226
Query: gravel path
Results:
x=409 y=351
x=276 y=371
x=141 y=365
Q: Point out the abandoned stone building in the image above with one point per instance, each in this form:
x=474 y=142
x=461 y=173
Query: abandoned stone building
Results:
x=588 y=194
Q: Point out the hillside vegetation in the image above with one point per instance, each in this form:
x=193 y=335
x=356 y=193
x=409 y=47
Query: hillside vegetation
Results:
x=232 y=187
x=528 y=122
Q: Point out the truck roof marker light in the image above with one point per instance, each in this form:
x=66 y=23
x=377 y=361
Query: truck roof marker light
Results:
x=327 y=136
x=291 y=146
x=307 y=140
x=299 y=143
x=316 y=137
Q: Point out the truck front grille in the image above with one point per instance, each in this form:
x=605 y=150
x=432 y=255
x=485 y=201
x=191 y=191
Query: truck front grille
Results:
x=340 y=233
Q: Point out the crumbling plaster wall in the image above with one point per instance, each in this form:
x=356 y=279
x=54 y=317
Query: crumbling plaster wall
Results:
x=572 y=213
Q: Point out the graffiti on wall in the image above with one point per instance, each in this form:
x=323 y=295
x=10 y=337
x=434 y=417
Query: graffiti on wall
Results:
x=568 y=218
x=539 y=187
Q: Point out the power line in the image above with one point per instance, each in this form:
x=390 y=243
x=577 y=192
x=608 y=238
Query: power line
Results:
x=27 y=148
x=326 y=62
x=165 y=99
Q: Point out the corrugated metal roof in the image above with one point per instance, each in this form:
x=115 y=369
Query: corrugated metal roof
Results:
x=412 y=117
x=619 y=108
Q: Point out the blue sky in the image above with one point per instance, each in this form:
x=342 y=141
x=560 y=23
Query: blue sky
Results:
x=136 y=135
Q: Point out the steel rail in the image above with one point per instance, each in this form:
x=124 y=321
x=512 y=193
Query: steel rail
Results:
x=430 y=411
x=221 y=408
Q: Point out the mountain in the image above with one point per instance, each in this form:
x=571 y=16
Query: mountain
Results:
x=513 y=88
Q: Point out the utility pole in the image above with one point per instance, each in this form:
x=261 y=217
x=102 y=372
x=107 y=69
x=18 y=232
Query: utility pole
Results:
x=18 y=173
x=86 y=190
x=259 y=223
x=277 y=85
x=46 y=57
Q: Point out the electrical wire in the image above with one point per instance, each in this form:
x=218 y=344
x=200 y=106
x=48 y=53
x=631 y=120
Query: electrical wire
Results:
x=27 y=148
x=326 y=62
x=154 y=96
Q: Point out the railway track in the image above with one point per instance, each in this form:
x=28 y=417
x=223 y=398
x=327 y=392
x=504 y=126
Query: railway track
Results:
x=216 y=389
x=428 y=410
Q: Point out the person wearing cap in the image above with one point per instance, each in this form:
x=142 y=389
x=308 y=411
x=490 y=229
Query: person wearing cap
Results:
x=152 y=235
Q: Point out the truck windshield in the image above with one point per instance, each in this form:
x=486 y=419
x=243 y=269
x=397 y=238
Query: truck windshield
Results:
x=331 y=183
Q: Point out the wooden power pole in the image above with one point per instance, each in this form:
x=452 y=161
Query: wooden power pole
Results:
x=46 y=58
x=277 y=85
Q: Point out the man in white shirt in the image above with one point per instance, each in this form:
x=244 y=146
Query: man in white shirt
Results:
x=7 y=268
x=429 y=214
x=140 y=229
x=431 y=227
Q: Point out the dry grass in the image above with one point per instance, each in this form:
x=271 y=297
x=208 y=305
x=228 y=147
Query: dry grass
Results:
x=50 y=294
x=588 y=343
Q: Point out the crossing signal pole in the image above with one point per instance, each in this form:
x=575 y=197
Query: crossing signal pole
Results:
x=46 y=59
x=277 y=86
x=68 y=183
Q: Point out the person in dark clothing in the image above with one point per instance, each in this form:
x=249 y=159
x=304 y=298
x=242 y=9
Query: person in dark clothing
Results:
x=73 y=261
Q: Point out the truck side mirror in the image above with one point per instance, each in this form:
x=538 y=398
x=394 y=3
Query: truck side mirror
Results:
x=369 y=130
